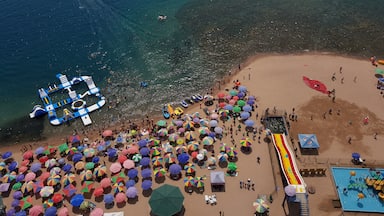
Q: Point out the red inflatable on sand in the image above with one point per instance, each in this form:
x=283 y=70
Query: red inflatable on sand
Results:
x=316 y=85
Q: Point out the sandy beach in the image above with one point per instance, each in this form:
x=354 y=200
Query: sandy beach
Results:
x=277 y=83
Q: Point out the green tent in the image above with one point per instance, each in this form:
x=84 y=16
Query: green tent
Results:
x=166 y=200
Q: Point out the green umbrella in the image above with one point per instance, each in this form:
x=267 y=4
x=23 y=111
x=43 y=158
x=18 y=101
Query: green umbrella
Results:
x=166 y=200
x=379 y=71
x=233 y=92
x=232 y=166
x=17 y=186
x=241 y=103
x=161 y=123
x=63 y=147
x=236 y=109
x=26 y=202
x=89 y=166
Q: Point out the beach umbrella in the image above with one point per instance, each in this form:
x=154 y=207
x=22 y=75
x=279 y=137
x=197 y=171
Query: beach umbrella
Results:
x=107 y=133
x=290 y=190
x=146 y=173
x=198 y=182
x=4 y=187
x=188 y=181
x=214 y=116
x=89 y=166
x=193 y=146
x=162 y=132
x=260 y=206
x=20 y=177
x=96 y=160
x=97 y=212
x=36 y=210
x=79 y=165
x=355 y=155
x=17 y=186
x=249 y=123
x=69 y=190
x=247 y=108
x=39 y=151
x=250 y=102
x=87 y=186
x=27 y=187
x=166 y=200
x=57 y=198
x=204 y=131
x=232 y=166
x=2 y=165
x=43 y=159
x=157 y=161
x=145 y=161
x=55 y=171
x=6 y=155
x=228 y=107
x=105 y=182
x=146 y=185
x=115 y=167
x=207 y=141
x=38 y=185
x=142 y=143
x=51 y=211
x=63 y=212
x=144 y=151
x=130 y=183
x=86 y=175
x=188 y=125
x=245 y=115
x=199 y=157
x=121 y=158
x=13 y=165
x=108 y=199
x=183 y=158
x=131 y=192
x=136 y=158
x=132 y=173
x=25 y=202
x=128 y=164
x=98 y=192
x=17 y=195
x=120 y=197
x=68 y=179
x=134 y=149
x=218 y=130
x=170 y=158
x=25 y=162
x=155 y=151
x=245 y=142
x=233 y=92
x=28 y=155
x=53 y=180
x=175 y=169
x=213 y=123
x=46 y=191
x=180 y=141
x=118 y=177
x=77 y=157
x=89 y=152
x=11 y=212
x=63 y=148
x=242 y=89
x=101 y=148
x=173 y=137
x=181 y=149
x=8 y=177
x=160 y=172
x=51 y=163
x=77 y=200
x=161 y=123
x=15 y=203
x=241 y=103
x=189 y=135
x=23 y=169
x=21 y=213
x=100 y=171
x=111 y=152
x=190 y=168
x=222 y=157
x=236 y=109
x=232 y=152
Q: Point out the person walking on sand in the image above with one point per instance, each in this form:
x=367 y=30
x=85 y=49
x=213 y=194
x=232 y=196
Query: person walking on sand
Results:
x=258 y=160
x=375 y=136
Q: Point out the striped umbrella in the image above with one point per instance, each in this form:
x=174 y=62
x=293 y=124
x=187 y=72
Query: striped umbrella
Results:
x=100 y=171
x=189 y=135
x=222 y=157
x=89 y=152
x=48 y=203
x=169 y=158
x=86 y=175
x=173 y=137
x=118 y=187
x=136 y=158
x=153 y=142
x=188 y=125
x=189 y=181
x=207 y=141
x=53 y=180
x=87 y=186
x=181 y=149
x=224 y=147
x=245 y=142
x=68 y=179
x=27 y=187
x=167 y=148
x=198 y=181
x=46 y=191
x=190 y=168
x=159 y=172
x=79 y=165
x=261 y=206
x=204 y=131
x=232 y=152
x=157 y=161
x=193 y=146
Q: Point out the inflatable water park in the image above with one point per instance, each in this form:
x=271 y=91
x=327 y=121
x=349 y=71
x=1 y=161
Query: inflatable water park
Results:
x=74 y=106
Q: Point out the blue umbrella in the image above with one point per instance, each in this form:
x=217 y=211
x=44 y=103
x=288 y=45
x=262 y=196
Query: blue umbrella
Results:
x=213 y=123
x=119 y=140
x=146 y=173
x=144 y=151
x=77 y=157
x=250 y=102
x=6 y=155
x=21 y=213
x=11 y=212
x=67 y=168
x=183 y=158
x=51 y=211
x=77 y=200
x=249 y=123
x=39 y=151
x=145 y=161
x=175 y=169
x=61 y=161
x=242 y=89
x=247 y=108
x=35 y=167
x=355 y=155
x=80 y=148
x=228 y=107
x=147 y=184
x=130 y=183
x=96 y=160
x=15 y=203
x=132 y=173
x=251 y=98
x=100 y=147
x=20 y=178
x=142 y=143
x=112 y=152
x=131 y=192
x=108 y=198
x=245 y=115
x=17 y=195
x=218 y=130
x=212 y=134
x=240 y=95
x=12 y=166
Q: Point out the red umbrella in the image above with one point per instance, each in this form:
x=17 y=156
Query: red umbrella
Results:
x=129 y=164
x=98 y=192
x=44 y=176
x=28 y=155
x=194 y=154
x=105 y=182
x=57 y=198
x=120 y=197
x=115 y=167
x=221 y=95
x=97 y=212
x=124 y=152
x=107 y=133
x=222 y=104
x=122 y=158
x=43 y=159
x=36 y=210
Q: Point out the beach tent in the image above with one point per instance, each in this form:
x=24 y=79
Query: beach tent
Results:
x=308 y=144
x=217 y=181
x=166 y=200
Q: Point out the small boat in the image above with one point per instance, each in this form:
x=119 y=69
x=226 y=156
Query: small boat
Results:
x=161 y=17
x=184 y=104
x=381 y=62
x=143 y=84
x=166 y=114
x=194 y=98
x=199 y=97
x=170 y=109
x=189 y=101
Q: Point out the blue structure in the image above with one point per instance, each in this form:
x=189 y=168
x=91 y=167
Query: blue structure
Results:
x=308 y=141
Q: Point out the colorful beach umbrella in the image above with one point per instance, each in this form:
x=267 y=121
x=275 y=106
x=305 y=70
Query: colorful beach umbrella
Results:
x=89 y=152
x=189 y=181
x=69 y=190
x=261 y=206
x=207 y=141
x=53 y=180
x=25 y=202
x=119 y=177
x=27 y=187
x=87 y=186
x=157 y=161
x=118 y=187
x=245 y=142
x=159 y=172
x=79 y=165
x=86 y=175
x=68 y=179
x=57 y=197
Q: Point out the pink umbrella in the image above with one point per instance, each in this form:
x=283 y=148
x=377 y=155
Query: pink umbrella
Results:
x=30 y=176
x=115 y=167
x=63 y=212
x=23 y=169
x=36 y=210
x=44 y=176
x=129 y=164
x=133 y=149
x=120 y=197
x=124 y=151
x=25 y=162
x=98 y=192
x=97 y=212
x=107 y=133
x=28 y=155
x=105 y=182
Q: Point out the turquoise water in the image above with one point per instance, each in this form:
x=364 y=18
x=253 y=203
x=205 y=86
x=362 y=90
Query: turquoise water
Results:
x=354 y=185
x=123 y=43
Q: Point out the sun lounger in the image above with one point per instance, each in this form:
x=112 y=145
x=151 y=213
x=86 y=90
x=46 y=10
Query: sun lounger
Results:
x=206 y=198
x=312 y=172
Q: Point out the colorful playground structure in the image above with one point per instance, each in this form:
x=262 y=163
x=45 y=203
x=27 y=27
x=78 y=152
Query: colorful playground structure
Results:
x=72 y=107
